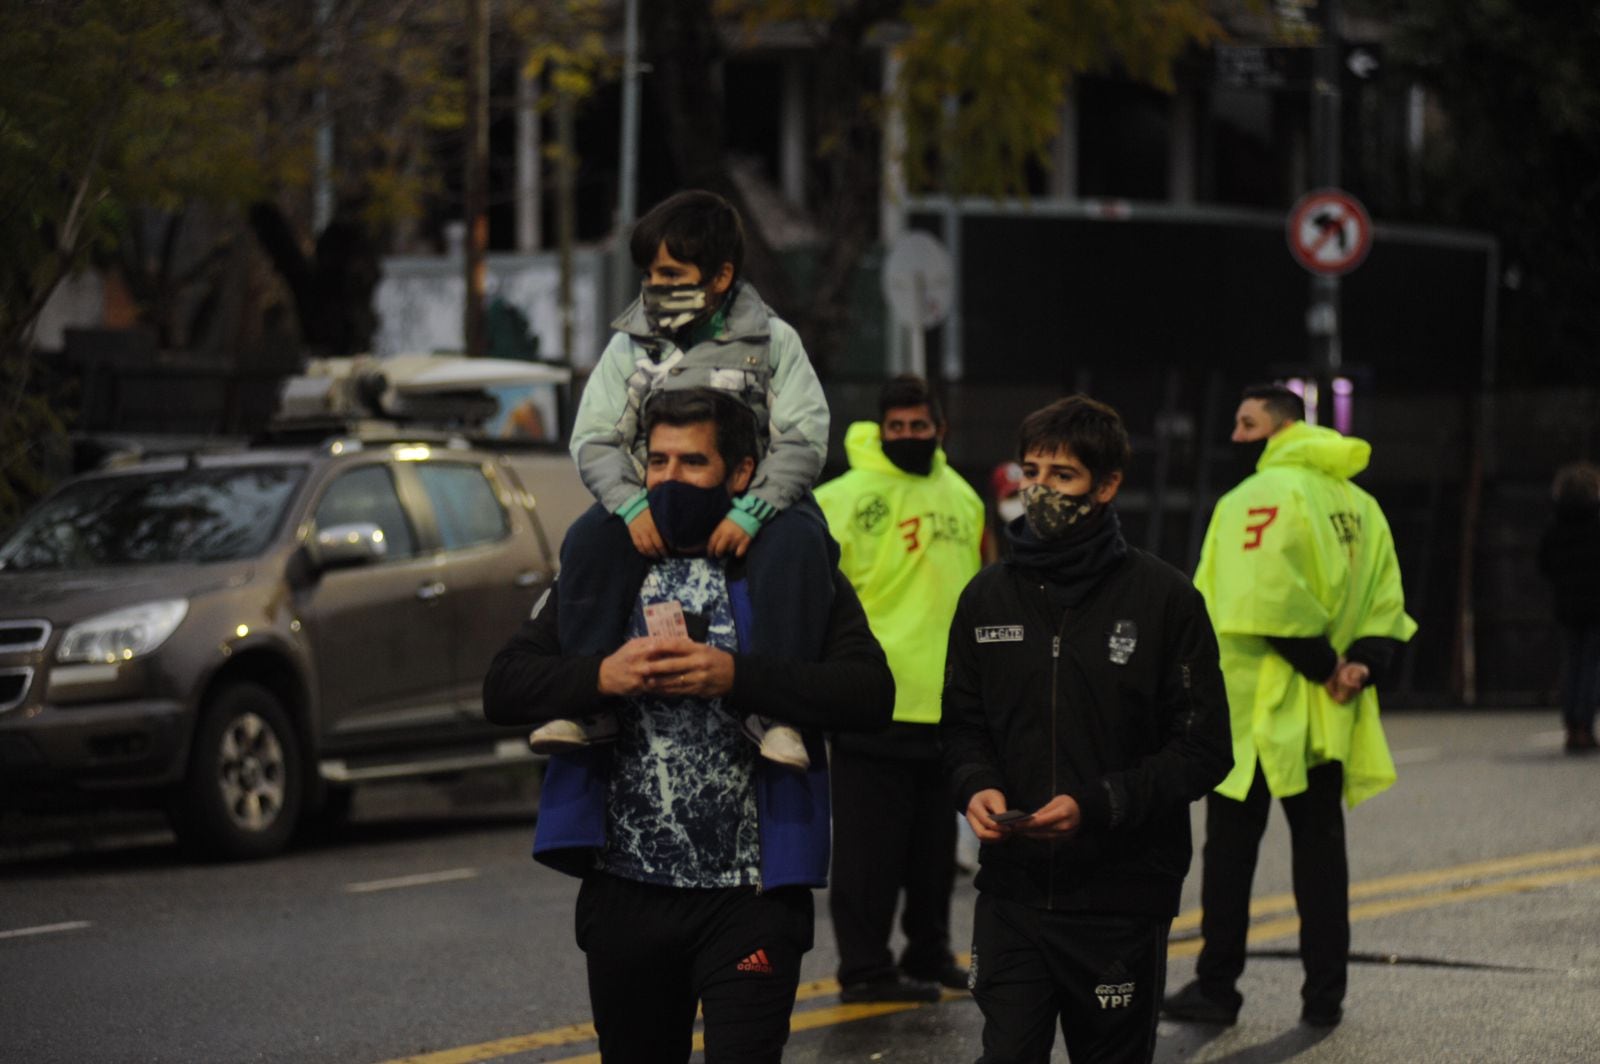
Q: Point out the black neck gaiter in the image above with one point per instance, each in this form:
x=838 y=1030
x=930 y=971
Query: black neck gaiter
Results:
x=1072 y=564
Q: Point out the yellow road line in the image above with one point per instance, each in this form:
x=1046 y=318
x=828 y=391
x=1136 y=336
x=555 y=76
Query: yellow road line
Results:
x=1374 y=910
x=1284 y=903
x=800 y=1021
x=1453 y=893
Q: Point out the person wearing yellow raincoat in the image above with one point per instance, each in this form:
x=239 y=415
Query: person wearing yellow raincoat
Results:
x=908 y=528
x=1300 y=577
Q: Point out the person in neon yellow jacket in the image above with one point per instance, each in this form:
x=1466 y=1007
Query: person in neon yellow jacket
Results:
x=909 y=529
x=1300 y=577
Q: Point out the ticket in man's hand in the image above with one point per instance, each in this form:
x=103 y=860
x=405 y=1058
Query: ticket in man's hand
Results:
x=665 y=619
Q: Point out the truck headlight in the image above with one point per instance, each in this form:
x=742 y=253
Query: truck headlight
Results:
x=123 y=634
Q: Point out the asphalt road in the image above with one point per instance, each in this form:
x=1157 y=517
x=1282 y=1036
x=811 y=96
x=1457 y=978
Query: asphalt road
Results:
x=422 y=931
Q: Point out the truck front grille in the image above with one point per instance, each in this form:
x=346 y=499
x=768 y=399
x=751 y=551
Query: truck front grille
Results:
x=13 y=687
x=21 y=636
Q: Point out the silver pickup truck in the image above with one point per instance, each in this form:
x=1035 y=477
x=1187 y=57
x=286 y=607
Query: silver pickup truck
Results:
x=245 y=635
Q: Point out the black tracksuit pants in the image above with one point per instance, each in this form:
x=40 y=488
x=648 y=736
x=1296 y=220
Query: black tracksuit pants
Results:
x=1101 y=975
x=1321 y=885
x=893 y=831
x=656 y=953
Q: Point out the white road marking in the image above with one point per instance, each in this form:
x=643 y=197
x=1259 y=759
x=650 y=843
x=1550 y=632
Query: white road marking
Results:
x=46 y=929
x=421 y=879
x=1417 y=754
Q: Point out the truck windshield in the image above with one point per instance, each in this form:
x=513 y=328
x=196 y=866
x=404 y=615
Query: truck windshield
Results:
x=191 y=515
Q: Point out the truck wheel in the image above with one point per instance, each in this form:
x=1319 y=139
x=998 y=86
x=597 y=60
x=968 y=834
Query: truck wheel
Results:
x=242 y=794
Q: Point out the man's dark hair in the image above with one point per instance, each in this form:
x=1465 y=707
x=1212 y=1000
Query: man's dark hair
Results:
x=1091 y=430
x=735 y=422
x=1577 y=485
x=908 y=390
x=697 y=226
x=1280 y=402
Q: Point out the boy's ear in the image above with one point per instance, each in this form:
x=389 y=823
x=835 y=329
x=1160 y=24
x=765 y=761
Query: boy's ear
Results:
x=723 y=280
x=1106 y=490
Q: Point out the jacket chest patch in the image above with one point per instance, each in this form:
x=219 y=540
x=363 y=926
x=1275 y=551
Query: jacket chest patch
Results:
x=1121 y=642
x=999 y=633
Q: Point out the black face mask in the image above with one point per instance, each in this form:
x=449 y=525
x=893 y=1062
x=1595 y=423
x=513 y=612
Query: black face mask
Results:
x=912 y=455
x=686 y=515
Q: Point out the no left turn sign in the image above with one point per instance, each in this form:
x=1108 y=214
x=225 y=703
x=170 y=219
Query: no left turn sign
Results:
x=1329 y=232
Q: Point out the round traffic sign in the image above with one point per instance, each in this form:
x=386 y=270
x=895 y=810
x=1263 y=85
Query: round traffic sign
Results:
x=1329 y=232
x=919 y=279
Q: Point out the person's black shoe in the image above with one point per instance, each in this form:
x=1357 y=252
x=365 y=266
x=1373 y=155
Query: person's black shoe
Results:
x=1321 y=1015
x=951 y=976
x=1191 y=1005
x=894 y=987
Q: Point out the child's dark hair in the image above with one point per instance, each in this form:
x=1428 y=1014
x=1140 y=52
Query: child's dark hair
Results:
x=1091 y=430
x=735 y=422
x=908 y=390
x=1280 y=402
x=697 y=226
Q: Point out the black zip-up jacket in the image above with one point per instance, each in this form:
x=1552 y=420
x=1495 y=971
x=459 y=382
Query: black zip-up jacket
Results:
x=1118 y=702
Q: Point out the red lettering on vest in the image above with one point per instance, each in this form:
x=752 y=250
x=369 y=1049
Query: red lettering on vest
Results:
x=1267 y=515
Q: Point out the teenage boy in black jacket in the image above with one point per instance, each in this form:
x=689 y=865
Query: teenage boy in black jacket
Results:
x=1084 y=710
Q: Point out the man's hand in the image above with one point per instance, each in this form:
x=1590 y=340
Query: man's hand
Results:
x=1059 y=819
x=1347 y=681
x=728 y=538
x=627 y=671
x=682 y=668
x=980 y=813
x=646 y=538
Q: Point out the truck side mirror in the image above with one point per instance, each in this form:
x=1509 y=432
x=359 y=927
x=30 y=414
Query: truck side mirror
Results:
x=344 y=546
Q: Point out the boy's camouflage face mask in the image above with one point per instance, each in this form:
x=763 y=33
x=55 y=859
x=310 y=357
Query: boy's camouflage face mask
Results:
x=1051 y=513
x=671 y=307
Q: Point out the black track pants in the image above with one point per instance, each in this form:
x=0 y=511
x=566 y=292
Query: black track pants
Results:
x=656 y=953
x=1321 y=885
x=892 y=831
x=1100 y=975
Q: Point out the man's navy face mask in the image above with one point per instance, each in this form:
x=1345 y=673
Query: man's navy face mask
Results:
x=686 y=515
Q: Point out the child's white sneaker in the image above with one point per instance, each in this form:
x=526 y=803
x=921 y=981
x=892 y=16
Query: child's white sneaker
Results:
x=779 y=743
x=557 y=735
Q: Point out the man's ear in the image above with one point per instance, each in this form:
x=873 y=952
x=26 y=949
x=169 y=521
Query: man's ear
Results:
x=723 y=280
x=1108 y=488
x=743 y=473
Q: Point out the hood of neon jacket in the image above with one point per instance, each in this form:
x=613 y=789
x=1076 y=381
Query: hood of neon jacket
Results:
x=1318 y=448
x=863 y=448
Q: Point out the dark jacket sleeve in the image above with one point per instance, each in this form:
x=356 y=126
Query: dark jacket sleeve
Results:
x=849 y=689
x=1311 y=655
x=530 y=682
x=1198 y=751
x=970 y=759
x=1377 y=653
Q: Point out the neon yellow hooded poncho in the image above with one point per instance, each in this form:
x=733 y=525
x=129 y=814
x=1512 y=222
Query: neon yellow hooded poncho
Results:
x=1298 y=550
x=908 y=544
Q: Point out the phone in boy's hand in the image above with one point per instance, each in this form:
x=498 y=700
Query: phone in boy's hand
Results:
x=1009 y=816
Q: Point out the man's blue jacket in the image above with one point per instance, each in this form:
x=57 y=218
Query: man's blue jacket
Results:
x=849 y=688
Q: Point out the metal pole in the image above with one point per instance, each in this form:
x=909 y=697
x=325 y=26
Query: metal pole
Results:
x=566 y=213
x=1322 y=318
x=627 y=192
x=530 y=198
x=322 y=181
x=476 y=178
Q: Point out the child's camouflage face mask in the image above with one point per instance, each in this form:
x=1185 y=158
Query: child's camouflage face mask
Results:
x=671 y=307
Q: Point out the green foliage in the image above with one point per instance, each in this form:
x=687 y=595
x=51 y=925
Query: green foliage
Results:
x=104 y=104
x=32 y=439
x=982 y=81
